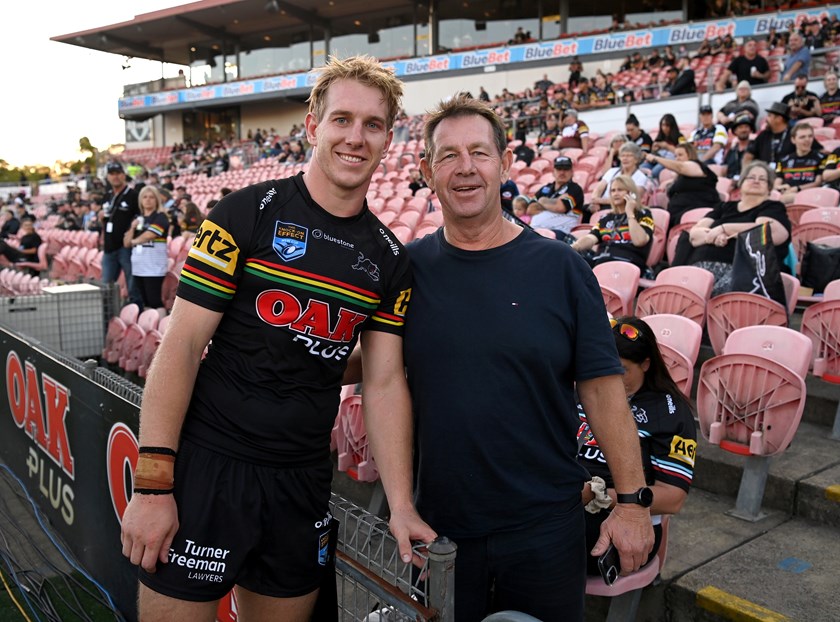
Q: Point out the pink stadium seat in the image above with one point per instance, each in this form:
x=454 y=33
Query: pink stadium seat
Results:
x=661 y=218
x=115 y=334
x=818 y=197
x=750 y=401
x=795 y=211
x=728 y=312
x=680 y=290
x=169 y=288
x=821 y=214
x=353 y=449
x=679 y=343
x=619 y=281
x=821 y=324
x=791 y=284
x=832 y=291
x=625 y=593
x=132 y=343
x=151 y=342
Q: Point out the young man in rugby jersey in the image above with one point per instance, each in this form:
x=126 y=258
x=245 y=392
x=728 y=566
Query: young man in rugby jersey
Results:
x=830 y=100
x=233 y=481
x=801 y=169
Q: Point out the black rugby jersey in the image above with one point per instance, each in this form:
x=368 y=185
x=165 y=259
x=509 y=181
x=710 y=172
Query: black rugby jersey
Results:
x=666 y=433
x=296 y=285
x=800 y=170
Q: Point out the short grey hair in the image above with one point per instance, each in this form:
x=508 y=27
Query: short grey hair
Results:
x=633 y=148
x=771 y=174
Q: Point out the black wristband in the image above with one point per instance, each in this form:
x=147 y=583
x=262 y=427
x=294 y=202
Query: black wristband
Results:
x=153 y=491
x=165 y=451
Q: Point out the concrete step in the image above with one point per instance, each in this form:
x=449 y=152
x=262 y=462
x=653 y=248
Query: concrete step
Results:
x=799 y=479
x=722 y=568
x=787 y=572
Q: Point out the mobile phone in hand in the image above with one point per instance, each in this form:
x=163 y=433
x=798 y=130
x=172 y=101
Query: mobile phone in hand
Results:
x=609 y=565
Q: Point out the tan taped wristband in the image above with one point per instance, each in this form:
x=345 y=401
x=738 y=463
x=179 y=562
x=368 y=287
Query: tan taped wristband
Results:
x=154 y=475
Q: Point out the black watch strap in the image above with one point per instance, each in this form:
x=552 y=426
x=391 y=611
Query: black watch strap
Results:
x=643 y=496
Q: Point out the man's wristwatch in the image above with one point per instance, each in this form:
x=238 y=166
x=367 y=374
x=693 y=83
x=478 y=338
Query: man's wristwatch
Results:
x=643 y=497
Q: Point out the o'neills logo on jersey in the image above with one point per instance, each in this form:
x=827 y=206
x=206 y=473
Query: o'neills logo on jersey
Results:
x=289 y=240
x=312 y=323
x=391 y=244
x=215 y=247
x=50 y=463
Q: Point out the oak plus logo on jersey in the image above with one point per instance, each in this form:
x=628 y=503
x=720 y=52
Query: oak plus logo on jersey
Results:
x=315 y=329
x=215 y=247
x=289 y=240
x=50 y=464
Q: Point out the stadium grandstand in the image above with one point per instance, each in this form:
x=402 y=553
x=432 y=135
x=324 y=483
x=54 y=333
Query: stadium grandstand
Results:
x=574 y=82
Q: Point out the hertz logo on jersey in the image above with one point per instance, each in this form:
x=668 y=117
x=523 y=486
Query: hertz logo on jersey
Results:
x=215 y=247
x=683 y=449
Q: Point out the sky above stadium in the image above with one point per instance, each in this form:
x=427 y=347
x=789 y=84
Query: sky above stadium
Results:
x=55 y=93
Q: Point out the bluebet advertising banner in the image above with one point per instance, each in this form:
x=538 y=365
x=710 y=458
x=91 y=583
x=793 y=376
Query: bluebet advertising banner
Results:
x=629 y=41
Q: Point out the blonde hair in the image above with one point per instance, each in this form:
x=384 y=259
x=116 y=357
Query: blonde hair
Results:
x=363 y=69
x=150 y=190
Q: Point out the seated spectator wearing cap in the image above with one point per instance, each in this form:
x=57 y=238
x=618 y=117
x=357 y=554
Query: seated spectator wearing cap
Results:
x=801 y=169
x=667 y=435
x=749 y=66
x=709 y=138
x=773 y=141
x=27 y=247
x=574 y=133
x=508 y=190
x=710 y=243
x=742 y=130
x=630 y=157
x=743 y=104
x=802 y=103
x=830 y=100
x=694 y=186
x=625 y=234
x=560 y=203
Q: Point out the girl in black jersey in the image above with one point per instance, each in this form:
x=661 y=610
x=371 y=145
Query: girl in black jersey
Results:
x=667 y=434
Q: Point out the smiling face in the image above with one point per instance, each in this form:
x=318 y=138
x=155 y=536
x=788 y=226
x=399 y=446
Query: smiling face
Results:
x=466 y=170
x=803 y=140
x=350 y=139
x=618 y=196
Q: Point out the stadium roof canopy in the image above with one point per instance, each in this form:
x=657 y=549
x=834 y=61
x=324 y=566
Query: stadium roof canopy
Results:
x=198 y=30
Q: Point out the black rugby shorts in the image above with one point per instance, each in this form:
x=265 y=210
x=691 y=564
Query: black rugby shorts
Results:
x=264 y=528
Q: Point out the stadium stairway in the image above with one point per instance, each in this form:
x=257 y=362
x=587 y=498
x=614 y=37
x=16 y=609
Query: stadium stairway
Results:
x=783 y=567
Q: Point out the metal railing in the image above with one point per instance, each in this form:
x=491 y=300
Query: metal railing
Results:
x=373 y=579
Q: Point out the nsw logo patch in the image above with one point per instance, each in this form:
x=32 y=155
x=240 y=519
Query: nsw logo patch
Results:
x=289 y=240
